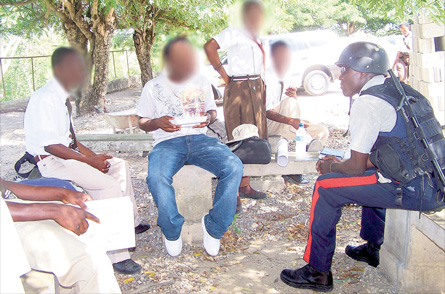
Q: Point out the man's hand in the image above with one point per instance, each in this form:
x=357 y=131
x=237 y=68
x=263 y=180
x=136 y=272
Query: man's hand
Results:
x=295 y=122
x=165 y=124
x=203 y=124
x=74 y=219
x=226 y=80
x=75 y=198
x=100 y=162
x=291 y=92
x=323 y=166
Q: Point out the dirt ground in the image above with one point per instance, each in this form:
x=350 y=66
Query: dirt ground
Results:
x=268 y=236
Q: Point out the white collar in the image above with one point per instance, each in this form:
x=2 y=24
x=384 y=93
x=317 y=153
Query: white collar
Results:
x=60 y=91
x=377 y=80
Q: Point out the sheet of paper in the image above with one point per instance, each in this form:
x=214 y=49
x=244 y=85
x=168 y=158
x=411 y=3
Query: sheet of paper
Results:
x=116 y=228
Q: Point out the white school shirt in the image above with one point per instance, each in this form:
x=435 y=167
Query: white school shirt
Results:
x=13 y=261
x=244 y=55
x=161 y=97
x=274 y=93
x=47 y=121
x=370 y=115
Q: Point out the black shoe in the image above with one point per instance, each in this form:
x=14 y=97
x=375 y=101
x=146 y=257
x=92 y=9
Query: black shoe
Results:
x=255 y=195
x=367 y=252
x=127 y=267
x=297 y=179
x=141 y=228
x=308 y=278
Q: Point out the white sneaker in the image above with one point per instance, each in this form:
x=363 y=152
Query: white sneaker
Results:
x=173 y=248
x=211 y=244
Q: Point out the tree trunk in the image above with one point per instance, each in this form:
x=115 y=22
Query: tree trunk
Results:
x=101 y=57
x=143 y=42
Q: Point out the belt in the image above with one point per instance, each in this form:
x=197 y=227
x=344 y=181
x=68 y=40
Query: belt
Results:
x=40 y=157
x=245 y=78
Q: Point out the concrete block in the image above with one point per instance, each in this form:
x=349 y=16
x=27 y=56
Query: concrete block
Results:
x=421 y=19
x=193 y=190
x=431 y=30
x=424 y=45
x=413 y=255
x=192 y=233
x=426 y=60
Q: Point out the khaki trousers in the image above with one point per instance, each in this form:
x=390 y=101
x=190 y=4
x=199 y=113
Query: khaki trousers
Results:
x=79 y=268
x=115 y=183
x=289 y=107
x=243 y=104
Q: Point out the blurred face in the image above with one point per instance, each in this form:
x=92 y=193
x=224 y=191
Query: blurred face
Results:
x=71 y=72
x=281 y=59
x=404 y=30
x=182 y=63
x=353 y=81
x=253 y=18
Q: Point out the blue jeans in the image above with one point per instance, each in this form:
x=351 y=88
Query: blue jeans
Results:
x=49 y=182
x=168 y=157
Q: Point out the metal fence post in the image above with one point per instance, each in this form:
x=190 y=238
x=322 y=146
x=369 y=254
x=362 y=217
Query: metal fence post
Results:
x=3 y=79
x=114 y=65
x=32 y=70
x=128 y=64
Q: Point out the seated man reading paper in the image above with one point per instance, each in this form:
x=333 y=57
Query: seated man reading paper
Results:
x=177 y=106
x=45 y=230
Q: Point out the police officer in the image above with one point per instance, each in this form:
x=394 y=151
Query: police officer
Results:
x=356 y=180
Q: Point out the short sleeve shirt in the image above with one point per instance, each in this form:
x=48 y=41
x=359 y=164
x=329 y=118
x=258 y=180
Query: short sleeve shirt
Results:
x=370 y=115
x=161 y=97
x=243 y=52
x=275 y=89
x=47 y=121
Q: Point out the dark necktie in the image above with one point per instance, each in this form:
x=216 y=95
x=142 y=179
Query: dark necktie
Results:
x=73 y=144
x=281 y=89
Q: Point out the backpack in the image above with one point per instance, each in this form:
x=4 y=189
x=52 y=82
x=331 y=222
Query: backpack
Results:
x=420 y=152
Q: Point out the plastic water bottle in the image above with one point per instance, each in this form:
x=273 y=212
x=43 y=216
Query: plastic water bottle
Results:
x=300 y=141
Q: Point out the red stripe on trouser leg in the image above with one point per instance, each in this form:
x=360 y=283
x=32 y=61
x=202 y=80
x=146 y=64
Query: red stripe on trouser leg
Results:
x=315 y=197
x=333 y=183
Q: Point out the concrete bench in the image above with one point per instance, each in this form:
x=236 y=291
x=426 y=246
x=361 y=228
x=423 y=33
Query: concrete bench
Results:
x=413 y=254
x=194 y=194
x=193 y=185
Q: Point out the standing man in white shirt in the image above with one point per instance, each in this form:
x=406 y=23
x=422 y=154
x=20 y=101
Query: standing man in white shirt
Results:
x=374 y=122
x=180 y=94
x=402 y=61
x=51 y=139
x=244 y=92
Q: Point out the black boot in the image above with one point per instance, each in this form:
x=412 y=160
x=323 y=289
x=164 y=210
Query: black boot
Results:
x=308 y=278
x=367 y=252
x=127 y=267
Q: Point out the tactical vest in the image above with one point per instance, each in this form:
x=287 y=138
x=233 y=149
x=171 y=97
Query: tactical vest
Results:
x=400 y=154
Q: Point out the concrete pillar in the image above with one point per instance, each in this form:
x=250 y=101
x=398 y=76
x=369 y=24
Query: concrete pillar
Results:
x=412 y=256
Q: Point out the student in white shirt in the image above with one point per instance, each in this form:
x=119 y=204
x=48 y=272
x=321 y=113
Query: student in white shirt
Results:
x=244 y=92
x=179 y=94
x=44 y=239
x=51 y=139
x=283 y=111
x=402 y=61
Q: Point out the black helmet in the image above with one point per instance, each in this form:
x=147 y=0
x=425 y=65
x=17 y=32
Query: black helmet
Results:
x=365 y=57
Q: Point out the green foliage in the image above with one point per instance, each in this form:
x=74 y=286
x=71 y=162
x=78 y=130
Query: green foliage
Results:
x=403 y=9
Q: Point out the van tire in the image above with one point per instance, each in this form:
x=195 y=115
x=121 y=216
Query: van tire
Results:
x=316 y=82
